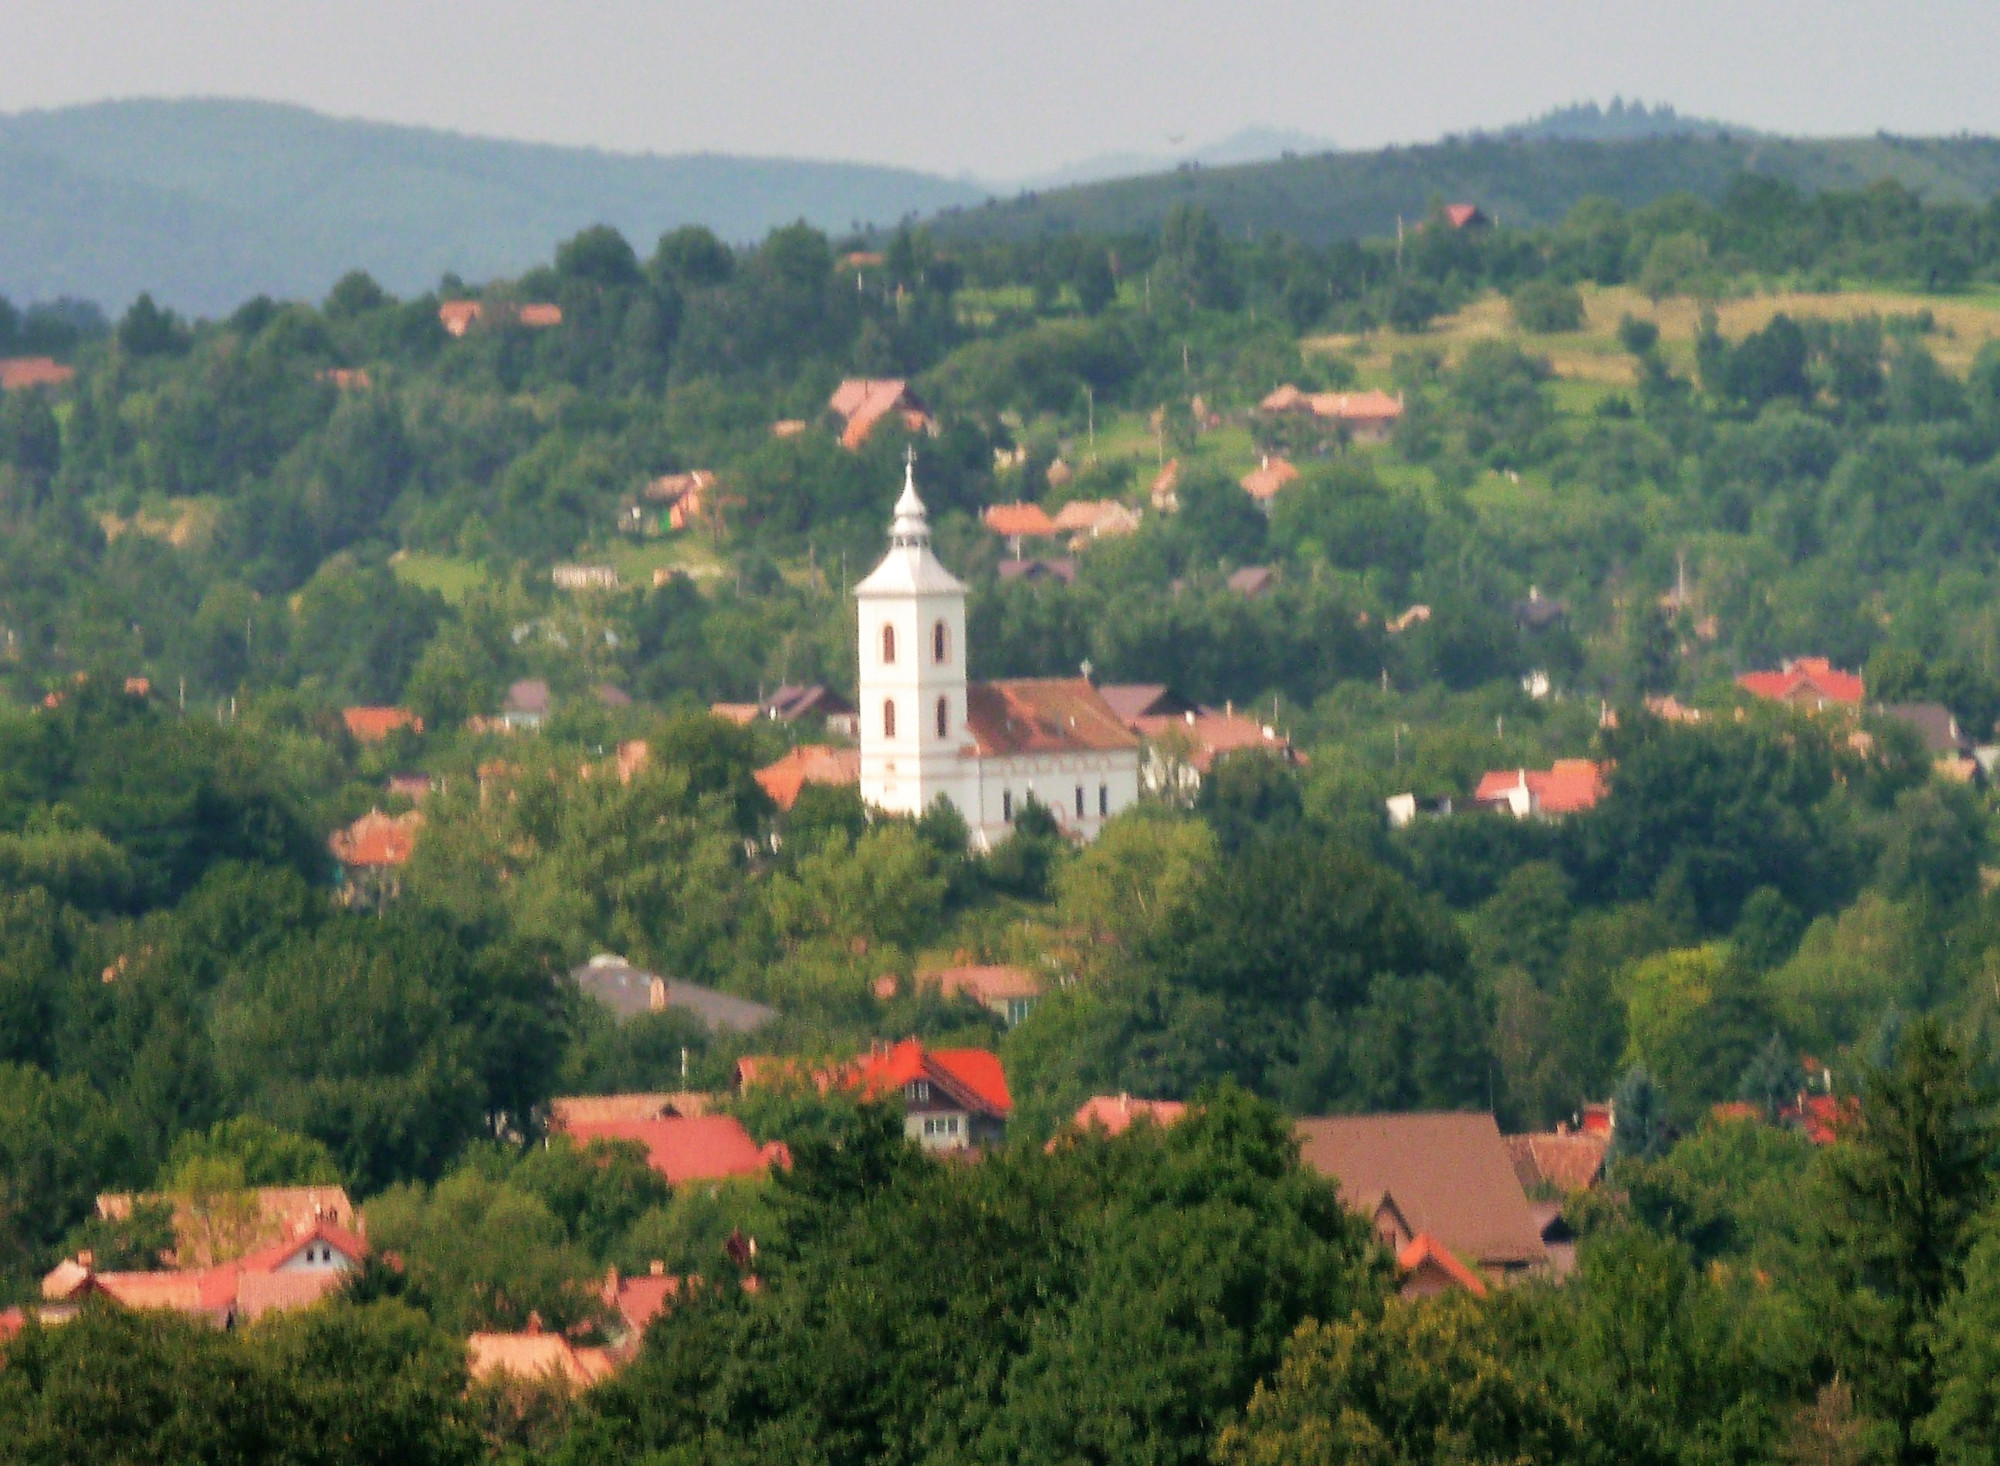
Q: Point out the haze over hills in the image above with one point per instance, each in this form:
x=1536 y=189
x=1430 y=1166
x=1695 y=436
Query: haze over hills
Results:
x=206 y=203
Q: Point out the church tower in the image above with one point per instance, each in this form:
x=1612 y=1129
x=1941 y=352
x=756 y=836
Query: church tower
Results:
x=914 y=744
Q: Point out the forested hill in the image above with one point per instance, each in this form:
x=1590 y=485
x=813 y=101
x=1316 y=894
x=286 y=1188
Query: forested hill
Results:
x=1518 y=180
x=205 y=203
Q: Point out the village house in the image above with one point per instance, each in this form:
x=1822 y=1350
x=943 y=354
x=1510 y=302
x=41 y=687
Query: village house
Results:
x=372 y=725
x=294 y=1273
x=1008 y=992
x=862 y=403
x=685 y=495
x=629 y=991
x=1570 y=786
x=526 y=706
x=536 y=1356
x=19 y=373
x=371 y=854
x=953 y=1099
x=1264 y=482
x=460 y=316
x=1183 y=741
x=1442 y=1180
x=210 y=1229
x=927 y=732
x=1466 y=216
x=1366 y=417
x=1164 y=491
x=1114 y=1114
x=1017 y=522
x=1812 y=684
x=1085 y=520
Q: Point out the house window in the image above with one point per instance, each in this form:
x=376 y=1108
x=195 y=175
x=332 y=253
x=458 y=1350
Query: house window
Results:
x=919 y=1091
x=1079 y=801
x=1104 y=799
x=889 y=718
x=944 y=717
x=1007 y=805
x=888 y=645
x=940 y=643
x=951 y=1125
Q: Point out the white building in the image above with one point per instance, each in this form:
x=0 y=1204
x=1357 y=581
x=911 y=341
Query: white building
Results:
x=985 y=746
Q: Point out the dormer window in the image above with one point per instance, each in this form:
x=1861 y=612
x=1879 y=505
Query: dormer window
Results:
x=888 y=646
x=940 y=643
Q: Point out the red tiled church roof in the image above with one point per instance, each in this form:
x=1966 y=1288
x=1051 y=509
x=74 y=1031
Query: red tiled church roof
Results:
x=1042 y=715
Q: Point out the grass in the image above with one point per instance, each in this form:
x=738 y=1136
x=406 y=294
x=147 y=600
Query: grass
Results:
x=1965 y=323
x=180 y=522
x=452 y=576
x=689 y=553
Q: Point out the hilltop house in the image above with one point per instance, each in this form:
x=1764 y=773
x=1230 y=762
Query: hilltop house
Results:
x=927 y=733
x=1008 y=992
x=1366 y=417
x=861 y=403
x=17 y=373
x=371 y=854
x=685 y=1148
x=1810 y=683
x=953 y=1099
x=629 y=991
x=372 y=725
x=1571 y=786
x=809 y=763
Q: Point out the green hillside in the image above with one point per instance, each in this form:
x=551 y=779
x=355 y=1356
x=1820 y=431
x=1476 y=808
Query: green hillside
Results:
x=207 y=202
x=1519 y=180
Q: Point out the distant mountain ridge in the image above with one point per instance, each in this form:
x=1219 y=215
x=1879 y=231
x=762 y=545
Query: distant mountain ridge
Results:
x=1620 y=121
x=205 y=203
x=1517 y=179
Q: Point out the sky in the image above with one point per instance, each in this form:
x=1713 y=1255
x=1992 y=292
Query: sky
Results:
x=1000 y=91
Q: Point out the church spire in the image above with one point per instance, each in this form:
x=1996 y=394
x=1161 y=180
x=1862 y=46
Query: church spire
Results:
x=912 y=526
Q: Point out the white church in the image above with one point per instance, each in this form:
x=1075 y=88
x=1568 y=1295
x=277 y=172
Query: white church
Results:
x=986 y=746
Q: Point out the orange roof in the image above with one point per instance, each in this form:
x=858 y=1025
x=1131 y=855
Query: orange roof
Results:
x=282 y=1212
x=1373 y=406
x=260 y=1293
x=1824 y=1117
x=1165 y=483
x=642 y=1299
x=740 y=713
x=1214 y=734
x=1812 y=680
x=1116 y=1113
x=539 y=315
x=209 y=1290
x=788 y=427
x=536 y=1355
x=270 y=1259
x=1568 y=1160
x=347 y=379
x=809 y=763
x=33 y=371
x=1019 y=521
x=377 y=839
x=688 y=1148
x=457 y=316
x=1042 y=715
x=987 y=984
x=590 y=1109
x=1425 y=1252
x=1460 y=215
x=1264 y=481
x=1285 y=399
x=372 y=725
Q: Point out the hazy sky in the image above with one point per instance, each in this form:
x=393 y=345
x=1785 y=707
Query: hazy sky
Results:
x=1013 y=88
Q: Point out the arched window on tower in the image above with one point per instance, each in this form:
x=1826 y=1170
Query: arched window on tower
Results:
x=888 y=645
x=940 y=643
x=889 y=718
x=944 y=717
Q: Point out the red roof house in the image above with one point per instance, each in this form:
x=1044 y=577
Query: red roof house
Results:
x=535 y=1355
x=457 y=316
x=1812 y=683
x=1114 y=1114
x=863 y=402
x=809 y=763
x=18 y=372
x=372 y=725
x=1007 y=991
x=1263 y=482
x=1571 y=786
x=1429 y=1267
x=1017 y=522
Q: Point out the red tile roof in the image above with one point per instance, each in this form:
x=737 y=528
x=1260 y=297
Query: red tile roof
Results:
x=33 y=371
x=1569 y=787
x=1019 y=521
x=1808 y=680
x=972 y=1076
x=457 y=316
x=642 y=1299
x=1426 y=1254
x=1042 y=715
x=986 y=983
x=539 y=316
x=353 y=1247
x=688 y=1148
x=809 y=763
x=535 y=1356
x=377 y=839
x=372 y=725
x=1460 y=216
x=589 y=1109
x=1210 y=735
x=1567 y=1160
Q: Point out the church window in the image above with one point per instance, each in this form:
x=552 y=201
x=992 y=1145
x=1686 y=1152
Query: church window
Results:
x=889 y=718
x=940 y=643
x=1079 y=801
x=1104 y=799
x=888 y=645
x=1007 y=804
x=944 y=720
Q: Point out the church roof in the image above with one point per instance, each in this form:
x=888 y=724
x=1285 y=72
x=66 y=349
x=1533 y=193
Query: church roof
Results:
x=1043 y=715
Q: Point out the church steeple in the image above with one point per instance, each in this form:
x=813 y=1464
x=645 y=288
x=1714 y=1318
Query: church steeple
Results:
x=911 y=527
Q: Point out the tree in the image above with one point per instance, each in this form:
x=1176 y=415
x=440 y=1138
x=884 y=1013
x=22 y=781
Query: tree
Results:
x=1642 y=1119
x=1901 y=1194
x=1965 y=1422
x=1548 y=306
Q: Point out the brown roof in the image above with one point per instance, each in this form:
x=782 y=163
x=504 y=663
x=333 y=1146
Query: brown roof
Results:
x=457 y=316
x=539 y=315
x=1210 y=735
x=537 y=1355
x=1131 y=700
x=1116 y=1113
x=864 y=402
x=598 y=1109
x=372 y=725
x=1043 y=715
x=1569 y=1161
x=809 y=763
x=1450 y=1175
x=689 y=1148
